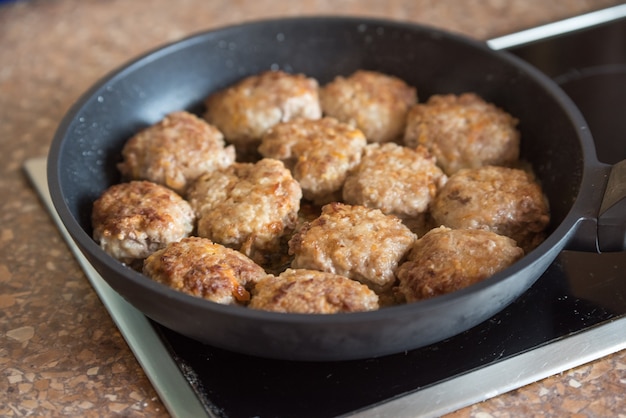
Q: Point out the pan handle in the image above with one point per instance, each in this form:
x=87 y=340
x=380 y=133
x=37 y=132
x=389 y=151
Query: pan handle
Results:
x=612 y=216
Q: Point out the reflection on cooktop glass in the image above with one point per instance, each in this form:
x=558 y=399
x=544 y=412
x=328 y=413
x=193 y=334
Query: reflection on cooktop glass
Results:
x=579 y=290
x=590 y=66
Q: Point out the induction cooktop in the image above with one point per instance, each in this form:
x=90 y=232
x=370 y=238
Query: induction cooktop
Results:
x=575 y=313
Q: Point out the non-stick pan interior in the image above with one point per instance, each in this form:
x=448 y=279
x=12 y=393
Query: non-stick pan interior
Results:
x=87 y=146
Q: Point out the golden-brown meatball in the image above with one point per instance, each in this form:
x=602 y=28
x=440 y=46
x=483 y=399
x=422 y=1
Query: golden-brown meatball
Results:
x=463 y=132
x=248 y=207
x=319 y=154
x=175 y=151
x=397 y=180
x=201 y=268
x=374 y=102
x=354 y=241
x=312 y=291
x=507 y=201
x=445 y=260
x=132 y=220
x=244 y=111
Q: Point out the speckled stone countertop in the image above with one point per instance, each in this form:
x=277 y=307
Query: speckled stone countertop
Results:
x=60 y=352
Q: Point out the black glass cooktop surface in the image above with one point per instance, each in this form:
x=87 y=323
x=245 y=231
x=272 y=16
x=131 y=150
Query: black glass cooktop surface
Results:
x=570 y=297
x=578 y=292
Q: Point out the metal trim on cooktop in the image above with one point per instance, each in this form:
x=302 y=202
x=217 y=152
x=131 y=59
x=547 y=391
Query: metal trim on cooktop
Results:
x=558 y=28
x=507 y=375
x=432 y=401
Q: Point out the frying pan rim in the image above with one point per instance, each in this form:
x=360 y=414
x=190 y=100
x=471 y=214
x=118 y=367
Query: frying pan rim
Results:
x=556 y=239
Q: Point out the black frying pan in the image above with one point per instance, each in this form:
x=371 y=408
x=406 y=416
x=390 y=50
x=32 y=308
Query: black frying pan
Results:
x=555 y=140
